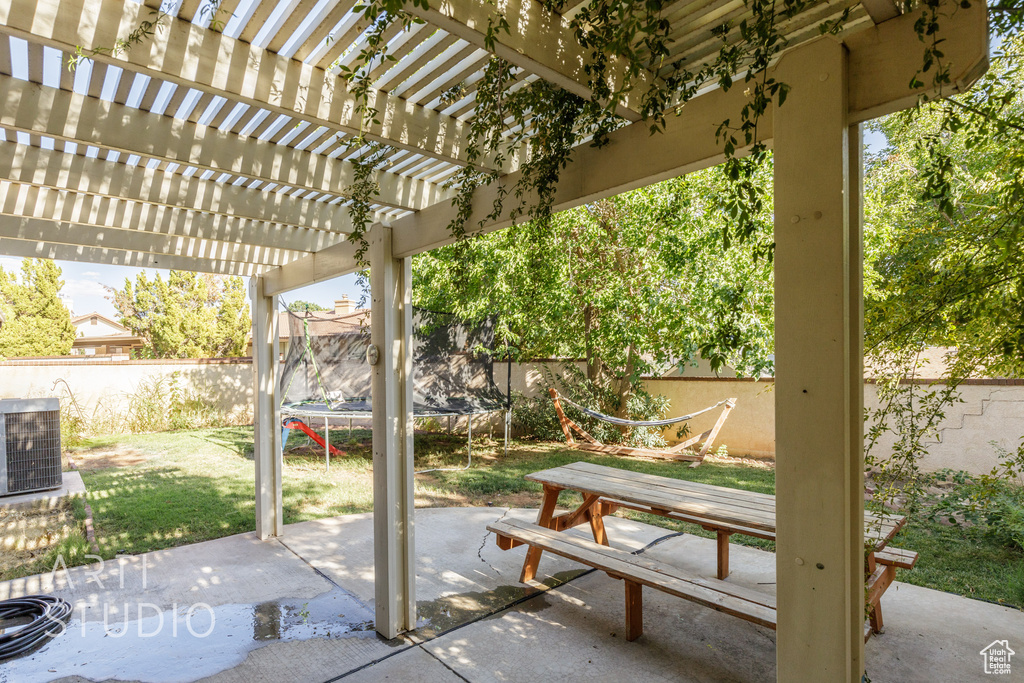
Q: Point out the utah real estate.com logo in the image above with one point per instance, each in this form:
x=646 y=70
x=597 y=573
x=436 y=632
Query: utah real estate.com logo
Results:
x=997 y=657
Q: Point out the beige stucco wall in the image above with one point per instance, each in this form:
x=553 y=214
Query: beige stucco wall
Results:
x=991 y=416
x=750 y=428
x=105 y=386
x=991 y=411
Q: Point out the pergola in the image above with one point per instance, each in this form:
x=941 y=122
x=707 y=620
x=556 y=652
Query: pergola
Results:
x=224 y=151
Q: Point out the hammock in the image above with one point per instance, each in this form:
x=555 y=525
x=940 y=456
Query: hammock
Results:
x=677 y=452
x=639 y=423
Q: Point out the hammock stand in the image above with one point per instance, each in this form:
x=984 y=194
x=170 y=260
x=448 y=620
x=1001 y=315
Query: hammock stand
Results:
x=676 y=452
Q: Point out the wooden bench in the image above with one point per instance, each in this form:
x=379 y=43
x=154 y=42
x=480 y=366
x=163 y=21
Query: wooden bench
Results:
x=720 y=509
x=637 y=571
x=880 y=565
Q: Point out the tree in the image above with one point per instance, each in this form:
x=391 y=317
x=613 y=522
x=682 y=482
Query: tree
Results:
x=36 y=321
x=186 y=316
x=944 y=209
x=305 y=306
x=633 y=284
x=945 y=216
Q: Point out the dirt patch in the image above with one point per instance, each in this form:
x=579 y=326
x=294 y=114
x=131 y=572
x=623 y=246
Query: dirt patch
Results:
x=27 y=534
x=759 y=463
x=433 y=498
x=102 y=458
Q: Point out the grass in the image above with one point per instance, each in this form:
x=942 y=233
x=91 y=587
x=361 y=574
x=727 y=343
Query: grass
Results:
x=32 y=538
x=963 y=561
x=153 y=491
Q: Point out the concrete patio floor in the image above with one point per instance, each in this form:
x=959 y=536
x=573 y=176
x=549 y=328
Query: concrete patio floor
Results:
x=301 y=609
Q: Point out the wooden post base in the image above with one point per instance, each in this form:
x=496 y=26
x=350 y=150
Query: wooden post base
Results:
x=634 y=610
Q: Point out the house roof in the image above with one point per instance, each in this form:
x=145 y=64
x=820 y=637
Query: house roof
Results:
x=223 y=148
x=86 y=317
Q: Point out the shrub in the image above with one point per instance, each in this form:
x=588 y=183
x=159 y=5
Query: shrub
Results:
x=162 y=403
x=992 y=503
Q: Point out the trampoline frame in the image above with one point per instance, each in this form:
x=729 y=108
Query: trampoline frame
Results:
x=292 y=411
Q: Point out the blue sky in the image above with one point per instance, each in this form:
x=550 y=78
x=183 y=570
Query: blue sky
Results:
x=84 y=285
x=84 y=282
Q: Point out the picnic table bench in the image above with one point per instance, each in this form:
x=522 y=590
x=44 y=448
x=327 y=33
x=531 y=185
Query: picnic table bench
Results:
x=723 y=510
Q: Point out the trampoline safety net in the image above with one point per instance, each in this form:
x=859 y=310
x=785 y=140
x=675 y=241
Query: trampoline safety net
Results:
x=325 y=373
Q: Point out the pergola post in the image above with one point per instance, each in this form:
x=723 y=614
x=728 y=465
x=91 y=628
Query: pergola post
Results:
x=391 y=335
x=819 y=371
x=267 y=412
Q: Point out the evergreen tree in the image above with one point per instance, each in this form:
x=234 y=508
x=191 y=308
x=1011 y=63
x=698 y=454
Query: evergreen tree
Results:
x=188 y=315
x=37 y=322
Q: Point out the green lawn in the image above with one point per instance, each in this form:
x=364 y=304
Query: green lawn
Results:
x=155 y=491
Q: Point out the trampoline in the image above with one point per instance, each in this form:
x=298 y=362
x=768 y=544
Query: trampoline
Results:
x=325 y=374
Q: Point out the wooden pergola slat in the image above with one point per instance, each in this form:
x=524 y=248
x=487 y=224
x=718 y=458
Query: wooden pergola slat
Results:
x=35 y=201
x=61 y=171
x=189 y=55
x=68 y=116
x=73 y=232
x=36 y=248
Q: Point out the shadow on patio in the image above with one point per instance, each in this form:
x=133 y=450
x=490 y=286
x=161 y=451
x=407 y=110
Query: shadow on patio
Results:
x=301 y=608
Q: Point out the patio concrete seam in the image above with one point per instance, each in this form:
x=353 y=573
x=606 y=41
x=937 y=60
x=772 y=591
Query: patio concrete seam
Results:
x=443 y=663
x=473 y=621
x=319 y=573
x=411 y=646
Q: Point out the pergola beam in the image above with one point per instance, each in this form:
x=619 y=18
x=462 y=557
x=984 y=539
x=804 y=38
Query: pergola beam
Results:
x=881 y=10
x=334 y=261
x=191 y=56
x=75 y=172
x=72 y=233
x=140 y=218
x=71 y=117
x=539 y=41
x=115 y=257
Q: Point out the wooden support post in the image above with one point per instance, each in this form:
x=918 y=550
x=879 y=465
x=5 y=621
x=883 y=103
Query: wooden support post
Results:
x=819 y=420
x=544 y=518
x=391 y=335
x=717 y=428
x=267 y=412
x=634 y=610
x=562 y=419
x=597 y=525
x=723 y=553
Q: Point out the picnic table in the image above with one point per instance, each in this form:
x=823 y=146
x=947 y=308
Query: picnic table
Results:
x=723 y=510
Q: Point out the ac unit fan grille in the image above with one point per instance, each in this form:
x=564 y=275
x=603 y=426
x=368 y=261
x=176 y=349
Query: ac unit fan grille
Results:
x=33 y=450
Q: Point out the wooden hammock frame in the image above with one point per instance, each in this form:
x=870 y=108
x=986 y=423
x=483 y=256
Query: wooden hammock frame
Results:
x=677 y=452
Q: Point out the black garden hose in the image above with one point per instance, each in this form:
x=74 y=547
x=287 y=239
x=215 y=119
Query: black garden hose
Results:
x=48 y=617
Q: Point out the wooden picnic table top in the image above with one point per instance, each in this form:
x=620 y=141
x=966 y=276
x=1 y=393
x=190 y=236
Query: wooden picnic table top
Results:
x=715 y=505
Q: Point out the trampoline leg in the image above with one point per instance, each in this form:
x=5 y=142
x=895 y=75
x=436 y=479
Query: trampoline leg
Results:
x=449 y=424
x=508 y=429
x=469 y=445
x=327 y=442
x=350 y=428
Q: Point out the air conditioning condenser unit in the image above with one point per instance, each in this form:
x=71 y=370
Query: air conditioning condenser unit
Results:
x=29 y=445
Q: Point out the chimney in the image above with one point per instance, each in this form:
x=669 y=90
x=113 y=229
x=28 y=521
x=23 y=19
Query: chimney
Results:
x=344 y=305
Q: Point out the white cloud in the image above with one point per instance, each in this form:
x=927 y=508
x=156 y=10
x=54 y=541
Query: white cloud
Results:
x=76 y=288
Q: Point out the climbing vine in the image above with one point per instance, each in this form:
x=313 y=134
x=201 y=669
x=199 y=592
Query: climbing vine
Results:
x=532 y=126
